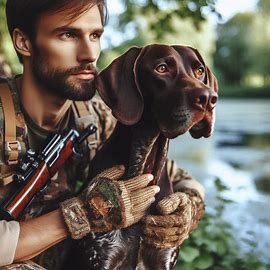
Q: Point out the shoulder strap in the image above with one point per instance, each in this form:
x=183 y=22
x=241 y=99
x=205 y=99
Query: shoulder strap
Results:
x=84 y=115
x=11 y=145
x=13 y=142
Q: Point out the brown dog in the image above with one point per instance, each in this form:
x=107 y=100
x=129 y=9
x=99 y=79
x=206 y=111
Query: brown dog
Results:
x=157 y=93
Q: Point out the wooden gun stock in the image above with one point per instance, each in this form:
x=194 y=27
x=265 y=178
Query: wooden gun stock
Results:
x=39 y=171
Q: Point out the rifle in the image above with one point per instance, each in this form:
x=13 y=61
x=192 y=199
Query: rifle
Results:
x=36 y=170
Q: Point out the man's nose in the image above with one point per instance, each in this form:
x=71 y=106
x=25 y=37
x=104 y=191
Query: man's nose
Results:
x=87 y=51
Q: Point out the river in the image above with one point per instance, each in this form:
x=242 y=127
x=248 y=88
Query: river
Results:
x=238 y=153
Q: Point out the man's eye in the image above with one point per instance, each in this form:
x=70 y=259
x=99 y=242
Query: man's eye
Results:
x=95 y=36
x=162 y=68
x=199 y=72
x=67 y=35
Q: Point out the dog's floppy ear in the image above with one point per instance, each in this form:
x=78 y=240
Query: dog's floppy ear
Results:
x=210 y=80
x=116 y=86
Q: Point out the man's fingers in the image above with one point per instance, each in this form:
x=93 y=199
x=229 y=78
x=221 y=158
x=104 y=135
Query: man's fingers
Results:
x=138 y=182
x=139 y=210
x=165 y=221
x=169 y=204
x=141 y=205
x=113 y=173
x=162 y=233
x=165 y=237
x=141 y=197
x=138 y=216
x=163 y=244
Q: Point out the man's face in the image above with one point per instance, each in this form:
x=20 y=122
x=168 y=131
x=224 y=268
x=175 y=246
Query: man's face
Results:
x=65 y=54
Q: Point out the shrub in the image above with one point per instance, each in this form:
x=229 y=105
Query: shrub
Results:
x=212 y=245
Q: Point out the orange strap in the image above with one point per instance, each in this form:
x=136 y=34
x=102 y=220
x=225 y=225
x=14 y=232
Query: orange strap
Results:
x=12 y=146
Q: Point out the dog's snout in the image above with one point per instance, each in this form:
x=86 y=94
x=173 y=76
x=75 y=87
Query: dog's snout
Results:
x=204 y=99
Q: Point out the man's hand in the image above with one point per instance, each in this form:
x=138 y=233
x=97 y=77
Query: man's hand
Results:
x=180 y=215
x=107 y=204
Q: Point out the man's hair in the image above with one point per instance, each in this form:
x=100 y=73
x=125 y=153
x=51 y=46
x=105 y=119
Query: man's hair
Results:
x=24 y=14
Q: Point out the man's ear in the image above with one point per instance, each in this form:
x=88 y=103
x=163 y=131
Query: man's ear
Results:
x=21 y=43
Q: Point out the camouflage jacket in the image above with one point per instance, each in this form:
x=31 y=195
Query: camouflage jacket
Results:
x=75 y=170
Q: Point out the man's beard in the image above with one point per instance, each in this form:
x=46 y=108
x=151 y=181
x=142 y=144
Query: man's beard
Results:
x=56 y=80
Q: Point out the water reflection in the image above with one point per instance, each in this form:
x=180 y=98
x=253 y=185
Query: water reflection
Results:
x=237 y=153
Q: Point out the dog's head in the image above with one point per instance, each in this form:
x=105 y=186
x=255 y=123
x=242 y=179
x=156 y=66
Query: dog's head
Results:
x=171 y=82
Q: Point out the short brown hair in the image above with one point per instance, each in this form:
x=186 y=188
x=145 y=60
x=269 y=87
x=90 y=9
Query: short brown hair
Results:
x=24 y=14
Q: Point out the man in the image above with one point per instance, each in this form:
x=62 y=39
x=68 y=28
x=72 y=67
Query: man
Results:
x=58 y=43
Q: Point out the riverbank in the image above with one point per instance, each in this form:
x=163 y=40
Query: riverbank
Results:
x=239 y=91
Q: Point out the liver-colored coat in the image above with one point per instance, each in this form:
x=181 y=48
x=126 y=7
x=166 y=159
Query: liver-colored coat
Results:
x=157 y=93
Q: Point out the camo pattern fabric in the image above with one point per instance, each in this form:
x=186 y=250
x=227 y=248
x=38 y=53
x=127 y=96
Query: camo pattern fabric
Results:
x=64 y=183
x=54 y=257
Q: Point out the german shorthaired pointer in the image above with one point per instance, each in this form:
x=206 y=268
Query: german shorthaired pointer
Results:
x=157 y=93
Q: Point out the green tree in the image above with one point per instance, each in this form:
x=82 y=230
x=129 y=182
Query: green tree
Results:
x=232 y=55
x=264 y=6
x=162 y=13
x=186 y=34
x=260 y=42
x=160 y=21
x=8 y=57
x=243 y=50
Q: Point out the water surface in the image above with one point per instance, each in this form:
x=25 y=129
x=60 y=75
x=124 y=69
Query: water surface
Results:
x=238 y=153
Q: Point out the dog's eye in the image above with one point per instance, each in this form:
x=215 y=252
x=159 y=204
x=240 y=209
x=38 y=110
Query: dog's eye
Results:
x=161 y=68
x=199 y=72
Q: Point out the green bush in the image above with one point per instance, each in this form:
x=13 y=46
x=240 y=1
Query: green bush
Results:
x=212 y=245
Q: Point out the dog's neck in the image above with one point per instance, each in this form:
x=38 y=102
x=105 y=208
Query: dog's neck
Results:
x=148 y=150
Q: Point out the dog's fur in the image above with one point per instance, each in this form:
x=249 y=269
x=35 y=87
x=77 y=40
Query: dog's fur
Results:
x=157 y=93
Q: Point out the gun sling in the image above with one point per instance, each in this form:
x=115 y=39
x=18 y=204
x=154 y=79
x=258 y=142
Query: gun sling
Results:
x=12 y=146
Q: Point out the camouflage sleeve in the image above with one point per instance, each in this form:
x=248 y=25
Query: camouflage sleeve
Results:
x=181 y=179
x=106 y=120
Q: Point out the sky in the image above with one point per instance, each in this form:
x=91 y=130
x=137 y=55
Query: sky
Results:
x=227 y=8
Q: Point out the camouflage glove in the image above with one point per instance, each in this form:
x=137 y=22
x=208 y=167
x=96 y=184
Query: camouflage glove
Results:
x=107 y=204
x=180 y=215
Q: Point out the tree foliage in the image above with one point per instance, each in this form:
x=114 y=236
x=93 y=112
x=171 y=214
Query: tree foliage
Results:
x=162 y=13
x=8 y=57
x=159 y=21
x=243 y=50
x=233 y=50
x=260 y=49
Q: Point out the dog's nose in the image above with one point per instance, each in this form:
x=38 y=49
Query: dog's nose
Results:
x=205 y=99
